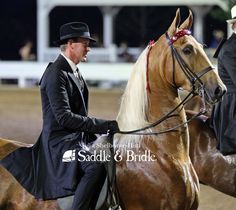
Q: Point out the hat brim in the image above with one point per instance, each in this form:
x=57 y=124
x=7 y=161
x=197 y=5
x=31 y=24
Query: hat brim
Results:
x=63 y=41
x=231 y=21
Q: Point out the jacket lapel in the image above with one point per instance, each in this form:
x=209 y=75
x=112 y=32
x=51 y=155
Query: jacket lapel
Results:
x=75 y=80
x=65 y=66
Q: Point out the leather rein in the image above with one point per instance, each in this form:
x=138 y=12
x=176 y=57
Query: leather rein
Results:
x=196 y=90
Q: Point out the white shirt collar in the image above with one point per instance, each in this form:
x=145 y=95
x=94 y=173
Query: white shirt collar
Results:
x=71 y=63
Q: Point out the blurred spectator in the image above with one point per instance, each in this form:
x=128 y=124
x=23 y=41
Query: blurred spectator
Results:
x=26 y=51
x=124 y=55
x=217 y=37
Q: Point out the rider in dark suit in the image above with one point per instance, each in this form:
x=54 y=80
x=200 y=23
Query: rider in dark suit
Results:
x=224 y=113
x=46 y=170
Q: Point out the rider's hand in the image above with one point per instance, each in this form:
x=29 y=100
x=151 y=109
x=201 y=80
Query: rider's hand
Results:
x=113 y=127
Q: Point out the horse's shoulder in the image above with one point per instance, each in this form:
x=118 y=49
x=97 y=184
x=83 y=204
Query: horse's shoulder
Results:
x=7 y=146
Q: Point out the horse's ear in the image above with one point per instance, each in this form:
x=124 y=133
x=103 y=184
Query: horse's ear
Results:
x=174 y=25
x=187 y=24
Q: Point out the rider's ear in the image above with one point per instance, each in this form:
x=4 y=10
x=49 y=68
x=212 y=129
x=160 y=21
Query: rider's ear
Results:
x=174 y=25
x=187 y=24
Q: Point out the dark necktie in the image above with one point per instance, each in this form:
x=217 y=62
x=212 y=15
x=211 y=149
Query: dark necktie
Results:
x=80 y=80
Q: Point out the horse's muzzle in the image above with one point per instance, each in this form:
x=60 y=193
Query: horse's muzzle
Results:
x=215 y=95
x=219 y=92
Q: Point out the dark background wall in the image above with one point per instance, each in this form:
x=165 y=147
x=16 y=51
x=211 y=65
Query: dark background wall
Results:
x=133 y=25
x=17 y=25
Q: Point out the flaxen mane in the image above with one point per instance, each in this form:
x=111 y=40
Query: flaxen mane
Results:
x=133 y=109
x=132 y=113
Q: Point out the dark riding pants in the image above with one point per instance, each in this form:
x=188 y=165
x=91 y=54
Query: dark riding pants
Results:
x=90 y=185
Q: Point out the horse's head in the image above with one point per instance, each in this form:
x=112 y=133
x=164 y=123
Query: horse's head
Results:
x=185 y=64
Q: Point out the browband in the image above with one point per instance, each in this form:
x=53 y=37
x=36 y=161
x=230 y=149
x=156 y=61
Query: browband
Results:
x=179 y=34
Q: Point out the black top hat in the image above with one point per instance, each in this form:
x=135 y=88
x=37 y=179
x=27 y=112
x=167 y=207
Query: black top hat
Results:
x=73 y=30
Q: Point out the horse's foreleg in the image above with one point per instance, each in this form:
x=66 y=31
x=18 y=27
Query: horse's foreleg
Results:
x=195 y=203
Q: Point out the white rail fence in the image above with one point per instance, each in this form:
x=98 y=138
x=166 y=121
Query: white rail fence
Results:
x=23 y=71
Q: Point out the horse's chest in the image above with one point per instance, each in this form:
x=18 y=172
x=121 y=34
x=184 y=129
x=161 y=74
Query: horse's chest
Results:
x=165 y=182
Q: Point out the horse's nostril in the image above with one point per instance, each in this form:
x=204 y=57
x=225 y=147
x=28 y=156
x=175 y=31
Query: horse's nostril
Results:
x=219 y=92
x=223 y=92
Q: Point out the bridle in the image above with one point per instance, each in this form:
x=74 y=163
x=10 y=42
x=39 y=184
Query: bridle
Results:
x=192 y=77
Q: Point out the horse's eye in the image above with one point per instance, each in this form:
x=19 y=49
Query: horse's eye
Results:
x=187 y=50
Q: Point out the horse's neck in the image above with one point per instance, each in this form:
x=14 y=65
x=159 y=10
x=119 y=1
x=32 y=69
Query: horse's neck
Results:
x=161 y=103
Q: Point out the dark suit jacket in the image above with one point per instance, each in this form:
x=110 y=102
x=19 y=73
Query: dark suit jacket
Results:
x=40 y=169
x=224 y=113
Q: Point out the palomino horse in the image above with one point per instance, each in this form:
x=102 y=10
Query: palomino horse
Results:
x=154 y=171
x=12 y=195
